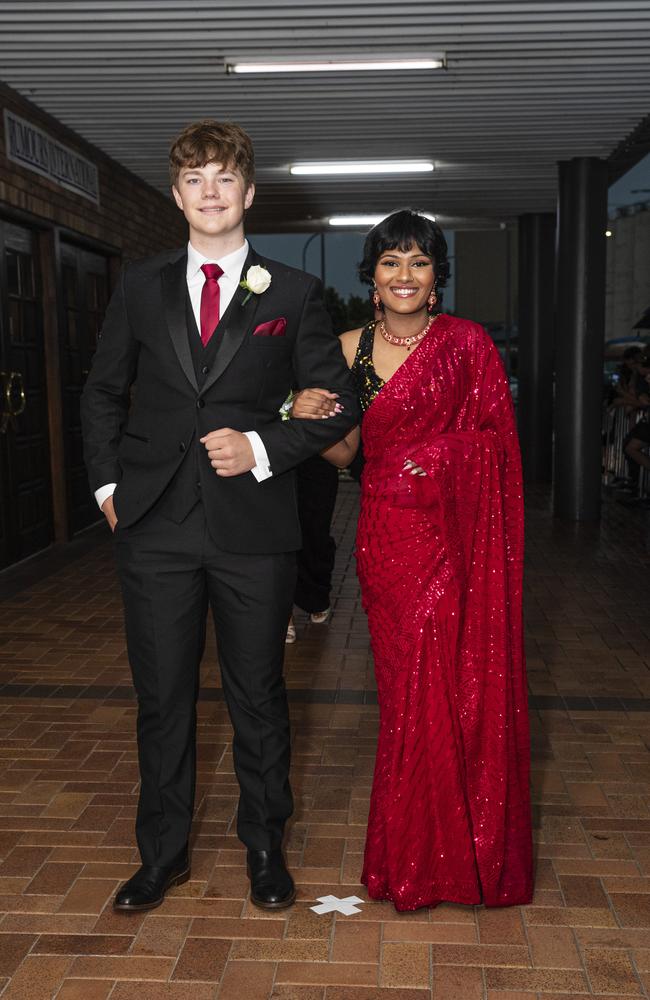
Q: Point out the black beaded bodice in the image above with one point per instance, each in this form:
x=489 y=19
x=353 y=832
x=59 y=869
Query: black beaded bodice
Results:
x=367 y=381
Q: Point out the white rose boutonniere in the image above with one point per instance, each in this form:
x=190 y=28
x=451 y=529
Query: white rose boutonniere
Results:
x=256 y=282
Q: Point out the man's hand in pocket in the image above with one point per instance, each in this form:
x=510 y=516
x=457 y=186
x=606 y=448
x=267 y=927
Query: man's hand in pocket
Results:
x=108 y=511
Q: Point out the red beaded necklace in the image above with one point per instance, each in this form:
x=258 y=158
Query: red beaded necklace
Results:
x=406 y=342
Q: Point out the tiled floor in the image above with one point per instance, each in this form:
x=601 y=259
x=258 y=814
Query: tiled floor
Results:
x=69 y=774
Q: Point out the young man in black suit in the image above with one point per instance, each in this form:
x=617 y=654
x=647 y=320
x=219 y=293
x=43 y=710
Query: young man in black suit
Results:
x=193 y=468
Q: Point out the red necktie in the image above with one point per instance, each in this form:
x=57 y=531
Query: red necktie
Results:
x=210 y=301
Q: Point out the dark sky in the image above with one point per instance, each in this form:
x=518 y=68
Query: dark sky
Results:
x=633 y=187
x=343 y=252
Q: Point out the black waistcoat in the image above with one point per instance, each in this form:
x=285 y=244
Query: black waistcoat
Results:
x=184 y=491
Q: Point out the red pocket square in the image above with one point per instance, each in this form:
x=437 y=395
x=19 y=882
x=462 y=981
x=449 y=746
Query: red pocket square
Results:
x=274 y=328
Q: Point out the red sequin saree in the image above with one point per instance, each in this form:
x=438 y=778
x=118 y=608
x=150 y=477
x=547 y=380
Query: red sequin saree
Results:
x=440 y=565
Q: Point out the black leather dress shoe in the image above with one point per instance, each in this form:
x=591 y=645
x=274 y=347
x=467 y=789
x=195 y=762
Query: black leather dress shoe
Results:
x=146 y=889
x=272 y=887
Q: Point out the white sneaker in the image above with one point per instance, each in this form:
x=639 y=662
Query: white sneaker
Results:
x=291 y=633
x=320 y=617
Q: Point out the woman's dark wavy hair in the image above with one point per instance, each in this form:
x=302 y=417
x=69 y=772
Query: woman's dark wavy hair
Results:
x=400 y=231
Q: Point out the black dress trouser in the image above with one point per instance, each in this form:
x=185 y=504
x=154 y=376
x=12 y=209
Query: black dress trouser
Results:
x=170 y=574
x=317 y=483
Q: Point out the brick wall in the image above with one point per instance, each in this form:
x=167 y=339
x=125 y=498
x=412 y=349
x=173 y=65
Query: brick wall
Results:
x=132 y=217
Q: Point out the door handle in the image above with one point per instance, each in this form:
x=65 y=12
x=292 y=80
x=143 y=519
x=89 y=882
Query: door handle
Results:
x=12 y=382
x=16 y=380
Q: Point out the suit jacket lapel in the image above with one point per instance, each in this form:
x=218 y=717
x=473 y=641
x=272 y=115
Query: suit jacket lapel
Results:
x=234 y=325
x=174 y=288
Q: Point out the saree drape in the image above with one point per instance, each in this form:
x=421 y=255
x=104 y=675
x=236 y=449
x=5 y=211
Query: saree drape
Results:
x=440 y=564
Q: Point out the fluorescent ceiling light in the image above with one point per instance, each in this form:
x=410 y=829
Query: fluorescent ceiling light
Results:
x=366 y=220
x=341 y=65
x=362 y=167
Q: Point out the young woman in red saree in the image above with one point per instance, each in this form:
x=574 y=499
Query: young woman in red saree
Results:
x=439 y=556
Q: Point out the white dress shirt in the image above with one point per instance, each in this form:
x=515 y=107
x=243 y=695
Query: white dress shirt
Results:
x=232 y=266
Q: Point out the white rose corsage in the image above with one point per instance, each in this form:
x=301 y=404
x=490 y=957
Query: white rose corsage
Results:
x=285 y=409
x=256 y=282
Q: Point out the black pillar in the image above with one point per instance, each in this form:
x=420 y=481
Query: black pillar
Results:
x=580 y=321
x=536 y=338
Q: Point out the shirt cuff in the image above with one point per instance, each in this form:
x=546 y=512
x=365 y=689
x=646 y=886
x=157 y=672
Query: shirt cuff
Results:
x=262 y=468
x=104 y=492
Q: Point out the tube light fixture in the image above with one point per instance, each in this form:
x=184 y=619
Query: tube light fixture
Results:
x=366 y=220
x=435 y=60
x=343 y=167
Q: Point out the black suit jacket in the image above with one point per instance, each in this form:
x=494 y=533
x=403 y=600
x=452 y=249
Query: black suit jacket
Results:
x=143 y=412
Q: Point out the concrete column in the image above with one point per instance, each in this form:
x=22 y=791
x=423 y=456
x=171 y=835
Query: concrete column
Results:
x=580 y=318
x=535 y=355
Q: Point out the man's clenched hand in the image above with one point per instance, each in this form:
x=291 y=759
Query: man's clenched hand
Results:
x=230 y=452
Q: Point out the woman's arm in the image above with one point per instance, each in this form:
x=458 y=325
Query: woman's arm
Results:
x=319 y=404
x=342 y=453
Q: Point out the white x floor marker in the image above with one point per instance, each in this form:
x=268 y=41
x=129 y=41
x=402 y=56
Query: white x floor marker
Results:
x=332 y=904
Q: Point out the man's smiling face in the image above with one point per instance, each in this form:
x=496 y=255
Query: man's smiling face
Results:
x=213 y=199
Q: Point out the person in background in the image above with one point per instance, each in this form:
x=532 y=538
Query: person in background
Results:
x=316 y=489
x=317 y=483
x=624 y=392
x=637 y=442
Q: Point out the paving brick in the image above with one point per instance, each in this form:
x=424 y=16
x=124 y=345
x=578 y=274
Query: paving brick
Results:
x=353 y=940
x=82 y=944
x=294 y=950
x=54 y=879
x=88 y=896
x=554 y=948
x=247 y=981
x=38 y=978
x=542 y=980
x=132 y=967
x=293 y=992
x=84 y=989
x=326 y=973
x=611 y=972
x=501 y=926
x=405 y=964
x=362 y=993
x=153 y=990
x=13 y=948
x=457 y=984
x=202 y=959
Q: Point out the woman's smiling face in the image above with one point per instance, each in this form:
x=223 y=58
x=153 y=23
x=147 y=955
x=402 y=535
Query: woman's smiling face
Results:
x=404 y=279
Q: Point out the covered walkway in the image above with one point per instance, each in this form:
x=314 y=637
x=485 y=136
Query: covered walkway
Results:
x=69 y=782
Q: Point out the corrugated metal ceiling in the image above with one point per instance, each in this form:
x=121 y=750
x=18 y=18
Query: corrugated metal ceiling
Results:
x=526 y=84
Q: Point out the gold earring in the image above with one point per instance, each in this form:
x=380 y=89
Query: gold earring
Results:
x=376 y=300
x=431 y=301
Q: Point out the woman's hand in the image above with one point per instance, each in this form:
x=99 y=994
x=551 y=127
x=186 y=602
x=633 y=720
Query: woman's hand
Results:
x=315 y=404
x=412 y=468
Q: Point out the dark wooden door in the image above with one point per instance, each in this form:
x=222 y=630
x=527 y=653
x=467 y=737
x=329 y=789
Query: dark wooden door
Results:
x=25 y=488
x=85 y=286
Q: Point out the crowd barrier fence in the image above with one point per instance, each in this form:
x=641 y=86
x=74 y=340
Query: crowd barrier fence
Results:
x=618 y=421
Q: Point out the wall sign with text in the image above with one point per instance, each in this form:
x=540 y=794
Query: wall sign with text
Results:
x=33 y=148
